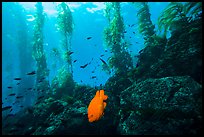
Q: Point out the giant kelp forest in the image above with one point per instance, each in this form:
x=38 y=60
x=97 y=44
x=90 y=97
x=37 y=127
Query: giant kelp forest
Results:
x=160 y=94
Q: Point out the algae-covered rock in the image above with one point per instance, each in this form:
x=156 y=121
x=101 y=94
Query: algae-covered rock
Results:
x=179 y=56
x=169 y=105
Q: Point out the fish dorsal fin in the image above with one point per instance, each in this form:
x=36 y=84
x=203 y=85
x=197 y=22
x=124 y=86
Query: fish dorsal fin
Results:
x=104 y=105
x=101 y=93
x=97 y=94
x=105 y=97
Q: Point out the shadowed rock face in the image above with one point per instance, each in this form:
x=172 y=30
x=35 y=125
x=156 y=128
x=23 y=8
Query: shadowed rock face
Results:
x=181 y=55
x=170 y=105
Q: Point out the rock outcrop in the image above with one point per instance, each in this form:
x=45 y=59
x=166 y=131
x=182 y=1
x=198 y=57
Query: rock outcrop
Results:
x=169 y=105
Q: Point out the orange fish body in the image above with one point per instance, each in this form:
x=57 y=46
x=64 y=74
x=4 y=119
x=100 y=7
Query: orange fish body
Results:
x=97 y=106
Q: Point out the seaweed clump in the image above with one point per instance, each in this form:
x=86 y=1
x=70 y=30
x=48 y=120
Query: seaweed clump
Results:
x=177 y=16
x=63 y=84
x=183 y=21
x=121 y=60
x=153 y=44
x=65 y=26
x=38 y=52
x=145 y=25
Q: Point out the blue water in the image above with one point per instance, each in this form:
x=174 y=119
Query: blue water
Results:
x=88 y=22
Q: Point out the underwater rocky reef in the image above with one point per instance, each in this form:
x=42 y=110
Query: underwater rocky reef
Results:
x=161 y=101
x=161 y=96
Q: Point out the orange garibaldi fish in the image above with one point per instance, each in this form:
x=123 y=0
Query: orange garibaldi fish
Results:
x=97 y=106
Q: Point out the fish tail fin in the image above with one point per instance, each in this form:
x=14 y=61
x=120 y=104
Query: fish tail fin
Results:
x=102 y=95
x=105 y=97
